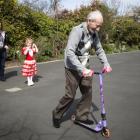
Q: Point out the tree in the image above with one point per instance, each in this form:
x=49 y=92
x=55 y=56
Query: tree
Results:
x=126 y=30
x=37 y=5
x=136 y=11
x=54 y=8
x=7 y=8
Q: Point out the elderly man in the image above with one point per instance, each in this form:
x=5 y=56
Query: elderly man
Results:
x=77 y=70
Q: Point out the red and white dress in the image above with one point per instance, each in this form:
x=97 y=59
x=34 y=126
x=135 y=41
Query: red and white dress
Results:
x=29 y=67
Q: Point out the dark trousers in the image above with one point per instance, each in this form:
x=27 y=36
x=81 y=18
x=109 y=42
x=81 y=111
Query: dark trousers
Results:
x=73 y=81
x=2 y=61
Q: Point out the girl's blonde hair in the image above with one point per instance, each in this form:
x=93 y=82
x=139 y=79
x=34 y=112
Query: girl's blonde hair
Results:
x=28 y=40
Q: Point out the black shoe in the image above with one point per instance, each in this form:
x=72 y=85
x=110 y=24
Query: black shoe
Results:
x=3 y=79
x=87 y=122
x=56 y=122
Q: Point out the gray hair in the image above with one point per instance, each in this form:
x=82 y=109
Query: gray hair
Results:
x=95 y=15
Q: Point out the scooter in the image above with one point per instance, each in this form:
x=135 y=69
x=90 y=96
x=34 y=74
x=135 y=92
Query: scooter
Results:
x=101 y=126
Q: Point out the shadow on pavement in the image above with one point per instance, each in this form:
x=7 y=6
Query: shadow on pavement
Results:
x=37 y=78
x=72 y=109
x=10 y=74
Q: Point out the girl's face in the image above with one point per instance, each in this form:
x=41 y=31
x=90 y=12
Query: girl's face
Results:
x=29 y=43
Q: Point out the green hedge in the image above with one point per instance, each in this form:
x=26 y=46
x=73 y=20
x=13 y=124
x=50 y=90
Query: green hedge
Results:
x=51 y=34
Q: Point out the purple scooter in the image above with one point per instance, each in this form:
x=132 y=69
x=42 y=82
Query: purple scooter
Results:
x=101 y=126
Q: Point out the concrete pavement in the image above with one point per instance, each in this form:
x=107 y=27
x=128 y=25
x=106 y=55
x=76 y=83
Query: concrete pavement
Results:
x=25 y=112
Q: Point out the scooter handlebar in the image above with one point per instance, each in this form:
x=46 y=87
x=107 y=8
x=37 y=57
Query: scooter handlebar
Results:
x=97 y=73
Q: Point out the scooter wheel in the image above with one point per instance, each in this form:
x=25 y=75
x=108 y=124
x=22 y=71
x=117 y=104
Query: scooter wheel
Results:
x=73 y=117
x=105 y=132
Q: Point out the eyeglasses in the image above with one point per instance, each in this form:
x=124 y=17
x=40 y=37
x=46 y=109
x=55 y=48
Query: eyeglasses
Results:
x=91 y=20
x=97 y=25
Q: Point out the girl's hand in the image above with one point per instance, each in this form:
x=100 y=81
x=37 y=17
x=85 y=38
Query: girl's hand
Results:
x=35 y=47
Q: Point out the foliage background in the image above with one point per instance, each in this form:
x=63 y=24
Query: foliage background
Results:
x=119 y=33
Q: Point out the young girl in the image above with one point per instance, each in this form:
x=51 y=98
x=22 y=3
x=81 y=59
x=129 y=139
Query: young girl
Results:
x=29 y=68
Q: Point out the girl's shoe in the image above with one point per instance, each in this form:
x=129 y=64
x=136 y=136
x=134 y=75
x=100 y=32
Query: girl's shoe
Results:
x=30 y=83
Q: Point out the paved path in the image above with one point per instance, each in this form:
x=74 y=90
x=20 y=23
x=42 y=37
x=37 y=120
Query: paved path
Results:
x=25 y=112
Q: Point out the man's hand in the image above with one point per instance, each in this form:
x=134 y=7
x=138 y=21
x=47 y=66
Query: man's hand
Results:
x=87 y=72
x=6 y=47
x=106 y=69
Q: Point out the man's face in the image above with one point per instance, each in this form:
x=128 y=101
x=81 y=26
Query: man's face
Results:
x=94 y=25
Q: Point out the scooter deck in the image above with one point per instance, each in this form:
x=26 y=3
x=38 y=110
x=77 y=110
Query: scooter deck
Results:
x=94 y=127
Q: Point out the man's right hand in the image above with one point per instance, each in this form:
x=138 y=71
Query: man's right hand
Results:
x=87 y=72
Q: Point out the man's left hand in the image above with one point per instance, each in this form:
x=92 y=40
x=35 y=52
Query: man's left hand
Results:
x=107 y=69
